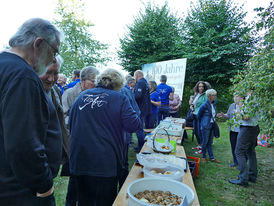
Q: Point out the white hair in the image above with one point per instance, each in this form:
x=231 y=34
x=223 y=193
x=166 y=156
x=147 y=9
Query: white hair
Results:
x=59 y=61
x=211 y=92
x=88 y=73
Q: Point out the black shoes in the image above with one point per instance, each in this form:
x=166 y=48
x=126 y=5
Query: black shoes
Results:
x=251 y=180
x=238 y=182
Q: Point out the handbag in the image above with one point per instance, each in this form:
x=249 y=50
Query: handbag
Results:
x=216 y=130
x=190 y=116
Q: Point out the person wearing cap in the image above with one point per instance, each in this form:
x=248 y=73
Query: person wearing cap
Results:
x=75 y=78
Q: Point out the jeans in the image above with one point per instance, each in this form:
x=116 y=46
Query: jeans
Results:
x=245 y=149
x=197 y=131
x=163 y=112
x=141 y=135
x=96 y=191
x=233 y=142
x=207 y=140
x=151 y=121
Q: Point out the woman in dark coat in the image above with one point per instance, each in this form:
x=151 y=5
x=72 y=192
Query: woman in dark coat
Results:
x=98 y=120
x=206 y=117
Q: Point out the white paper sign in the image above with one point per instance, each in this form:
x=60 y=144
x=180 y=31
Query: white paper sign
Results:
x=174 y=70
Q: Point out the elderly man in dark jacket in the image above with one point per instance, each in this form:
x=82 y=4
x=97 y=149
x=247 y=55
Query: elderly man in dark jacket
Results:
x=30 y=134
x=142 y=97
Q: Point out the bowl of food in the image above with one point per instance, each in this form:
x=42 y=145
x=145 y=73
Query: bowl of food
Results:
x=153 y=191
x=164 y=171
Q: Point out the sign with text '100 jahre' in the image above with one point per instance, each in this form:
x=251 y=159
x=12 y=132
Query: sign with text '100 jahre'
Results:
x=175 y=71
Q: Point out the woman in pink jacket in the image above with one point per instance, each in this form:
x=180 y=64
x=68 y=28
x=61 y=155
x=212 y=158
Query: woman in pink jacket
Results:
x=174 y=105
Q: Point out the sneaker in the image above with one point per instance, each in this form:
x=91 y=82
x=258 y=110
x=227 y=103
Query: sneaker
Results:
x=197 y=148
x=214 y=160
x=199 y=152
x=204 y=159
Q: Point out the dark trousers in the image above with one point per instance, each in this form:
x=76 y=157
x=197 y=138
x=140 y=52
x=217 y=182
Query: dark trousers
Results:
x=151 y=121
x=175 y=115
x=197 y=131
x=124 y=171
x=163 y=113
x=28 y=199
x=141 y=134
x=96 y=191
x=72 y=194
x=245 y=147
x=233 y=141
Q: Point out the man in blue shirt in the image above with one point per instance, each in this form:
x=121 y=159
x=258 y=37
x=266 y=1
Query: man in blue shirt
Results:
x=165 y=93
x=75 y=78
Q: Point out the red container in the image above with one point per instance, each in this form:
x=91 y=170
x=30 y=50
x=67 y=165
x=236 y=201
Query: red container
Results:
x=197 y=162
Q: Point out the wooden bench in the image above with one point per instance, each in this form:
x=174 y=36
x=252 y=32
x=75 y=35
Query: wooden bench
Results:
x=190 y=128
x=146 y=131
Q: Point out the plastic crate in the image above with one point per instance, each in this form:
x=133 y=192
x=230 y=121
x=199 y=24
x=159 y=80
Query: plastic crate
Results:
x=195 y=160
x=192 y=166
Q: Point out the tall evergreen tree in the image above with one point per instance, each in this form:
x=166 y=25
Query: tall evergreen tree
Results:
x=217 y=41
x=153 y=36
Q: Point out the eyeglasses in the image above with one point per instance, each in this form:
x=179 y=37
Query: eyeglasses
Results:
x=55 y=51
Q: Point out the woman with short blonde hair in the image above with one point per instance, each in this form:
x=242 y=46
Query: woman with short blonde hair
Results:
x=98 y=120
x=111 y=79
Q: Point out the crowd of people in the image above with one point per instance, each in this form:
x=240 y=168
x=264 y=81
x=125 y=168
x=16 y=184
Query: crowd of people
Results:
x=243 y=130
x=87 y=125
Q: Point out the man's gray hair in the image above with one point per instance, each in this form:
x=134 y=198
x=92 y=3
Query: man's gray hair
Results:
x=88 y=73
x=128 y=76
x=129 y=79
x=139 y=73
x=111 y=79
x=32 y=29
x=163 y=78
x=59 y=61
x=211 y=92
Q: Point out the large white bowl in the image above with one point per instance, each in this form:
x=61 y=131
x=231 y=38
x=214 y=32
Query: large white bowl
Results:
x=173 y=186
x=168 y=167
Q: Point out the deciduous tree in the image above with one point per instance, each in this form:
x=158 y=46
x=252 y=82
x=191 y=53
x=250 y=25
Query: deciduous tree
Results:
x=259 y=74
x=79 y=48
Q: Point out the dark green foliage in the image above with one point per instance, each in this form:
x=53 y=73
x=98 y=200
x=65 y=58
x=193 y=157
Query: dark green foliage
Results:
x=154 y=36
x=259 y=74
x=217 y=41
x=79 y=48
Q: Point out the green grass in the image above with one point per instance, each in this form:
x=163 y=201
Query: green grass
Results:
x=212 y=184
